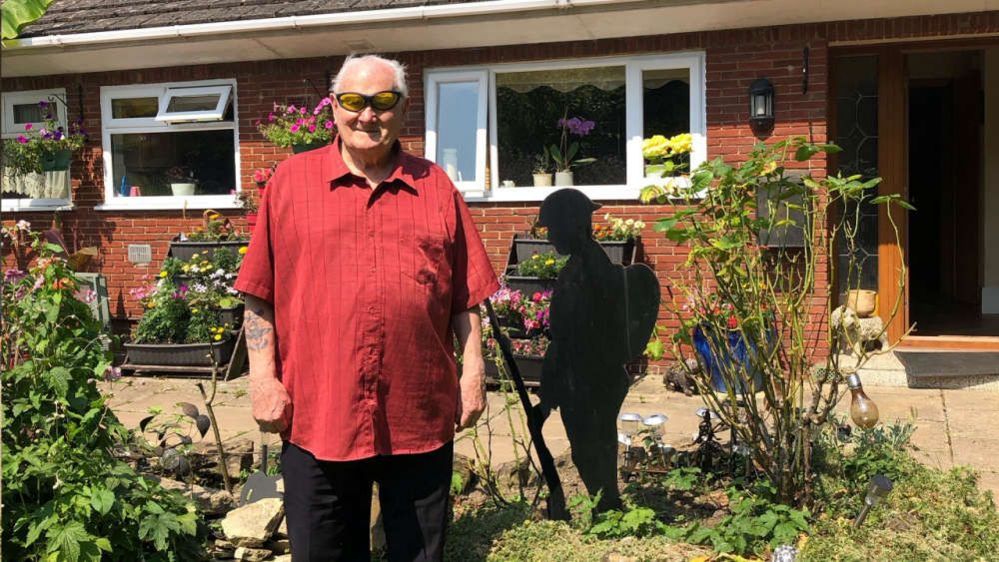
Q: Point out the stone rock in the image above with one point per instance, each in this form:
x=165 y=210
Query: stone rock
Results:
x=252 y=554
x=253 y=524
x=239 y=454
x=209 y=501
x=678 y=377
x=222 y=543
x=280 y=546
x=463 y=466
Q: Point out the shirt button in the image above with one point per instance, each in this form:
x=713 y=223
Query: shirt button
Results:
x=371 y=309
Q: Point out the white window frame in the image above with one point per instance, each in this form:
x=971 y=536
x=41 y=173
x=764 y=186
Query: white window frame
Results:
x=433 y=81
x=215 y=114
x=635 y=164
x=152 y=125
x=11 y=130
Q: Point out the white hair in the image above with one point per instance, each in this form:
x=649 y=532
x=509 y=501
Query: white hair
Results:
x=353 y=60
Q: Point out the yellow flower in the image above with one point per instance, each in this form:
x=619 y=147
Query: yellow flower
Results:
x=655 y=147
x=217 y=337
x=549 y=261
x=214 y=216
x=768 y=168
x=242 y=250
x=163 y=274
x=681 y=143
x=152 y=304
x=186 y=268
x=535 y=257
x=194 y=310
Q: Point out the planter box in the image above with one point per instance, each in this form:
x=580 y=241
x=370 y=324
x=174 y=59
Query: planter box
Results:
x=183 y=250
x=180 y=354
x=232 y=316
x=529 y=366
x=529 y=285
x=619 y=252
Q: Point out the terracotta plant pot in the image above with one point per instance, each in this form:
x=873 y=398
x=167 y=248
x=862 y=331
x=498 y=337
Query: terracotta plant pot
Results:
x=864 y=302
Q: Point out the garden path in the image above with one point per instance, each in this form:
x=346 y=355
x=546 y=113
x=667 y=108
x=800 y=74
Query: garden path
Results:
x=954 y=426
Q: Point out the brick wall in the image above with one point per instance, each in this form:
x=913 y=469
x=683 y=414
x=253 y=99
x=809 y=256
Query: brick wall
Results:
x=734 y=59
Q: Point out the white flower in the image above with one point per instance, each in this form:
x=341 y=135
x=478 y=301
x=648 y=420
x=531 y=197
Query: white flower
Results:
x=23 y=225
x=629 y=222
x=199 y=288
x=195 y=269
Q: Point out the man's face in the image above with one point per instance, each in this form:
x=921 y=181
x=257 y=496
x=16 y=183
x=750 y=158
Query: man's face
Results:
x=368 y=129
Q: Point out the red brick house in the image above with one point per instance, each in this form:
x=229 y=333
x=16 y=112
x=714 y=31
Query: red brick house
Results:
x=910 y=89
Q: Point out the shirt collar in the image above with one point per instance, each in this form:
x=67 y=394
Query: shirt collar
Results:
x=404 y=170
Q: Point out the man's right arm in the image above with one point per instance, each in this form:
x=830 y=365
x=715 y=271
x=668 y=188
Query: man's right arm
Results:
x=271 y=403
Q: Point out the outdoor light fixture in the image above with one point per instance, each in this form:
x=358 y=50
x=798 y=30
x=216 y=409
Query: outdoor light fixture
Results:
x=655 y=423
x=761 y=104
x=863 y=410
x=629 y=423
x=876 y=491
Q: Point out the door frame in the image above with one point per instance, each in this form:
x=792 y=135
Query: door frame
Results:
x=893 y=148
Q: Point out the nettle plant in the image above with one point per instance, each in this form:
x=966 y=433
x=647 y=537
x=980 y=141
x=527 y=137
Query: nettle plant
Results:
x=66 y=495
x=738 y=285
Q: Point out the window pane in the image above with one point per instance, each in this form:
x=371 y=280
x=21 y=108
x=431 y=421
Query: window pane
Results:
x=457 y=122
x=28 y=113
x=159 y=163
x=666 y=102
x=183 y=104
x=130 y=108
x=529 y=106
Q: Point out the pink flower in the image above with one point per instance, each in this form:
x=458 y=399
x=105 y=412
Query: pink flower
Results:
x=271 y=117
x=27 y=127
x=312 y=128
x=295 y=128
x=329 y=124
x=303 y=111
x=22 y=139
x=300 y=121
x=291 y=109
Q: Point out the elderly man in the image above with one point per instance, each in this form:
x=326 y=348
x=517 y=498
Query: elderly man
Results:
x=364 y=262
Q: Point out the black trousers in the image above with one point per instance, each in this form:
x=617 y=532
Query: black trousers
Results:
x=328 y=505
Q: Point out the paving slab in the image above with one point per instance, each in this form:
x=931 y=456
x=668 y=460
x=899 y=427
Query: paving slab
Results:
x=953 y=426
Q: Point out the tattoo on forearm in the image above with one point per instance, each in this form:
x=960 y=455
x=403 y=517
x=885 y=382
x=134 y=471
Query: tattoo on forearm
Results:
x=258 y=332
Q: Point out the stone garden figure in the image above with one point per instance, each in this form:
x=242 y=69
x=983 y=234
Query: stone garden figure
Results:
x=602 y=315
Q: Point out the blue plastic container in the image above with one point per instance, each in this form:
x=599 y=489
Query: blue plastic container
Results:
x=734 y=353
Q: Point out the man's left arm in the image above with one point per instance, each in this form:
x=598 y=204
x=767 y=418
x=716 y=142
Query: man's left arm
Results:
x=472 y=384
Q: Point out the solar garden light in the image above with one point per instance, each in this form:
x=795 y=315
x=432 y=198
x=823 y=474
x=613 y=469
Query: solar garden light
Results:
x=655 y=423
x=876 y=491
x=629 y=424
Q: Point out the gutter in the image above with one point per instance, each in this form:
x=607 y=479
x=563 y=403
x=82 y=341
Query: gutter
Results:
x=410 y=14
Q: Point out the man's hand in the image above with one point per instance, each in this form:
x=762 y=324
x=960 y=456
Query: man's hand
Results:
x=271 y=404
x=471 y=396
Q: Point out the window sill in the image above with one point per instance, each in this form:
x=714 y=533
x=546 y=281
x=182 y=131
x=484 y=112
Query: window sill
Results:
x=537 y=194
x=167 y=203
x=15 y=206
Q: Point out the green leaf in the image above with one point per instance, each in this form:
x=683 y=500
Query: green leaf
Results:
x=65 y=541
x=18 y=13
x=58 y=378
x=102 y=500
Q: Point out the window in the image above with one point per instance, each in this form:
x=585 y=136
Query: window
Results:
x=45 y=191
x=605 y=107
x=170 y=146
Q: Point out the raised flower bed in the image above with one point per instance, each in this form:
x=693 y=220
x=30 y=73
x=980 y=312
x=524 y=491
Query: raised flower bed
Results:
x=182 y=354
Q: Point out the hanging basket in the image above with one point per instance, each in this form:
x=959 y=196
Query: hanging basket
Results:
x=55 y=161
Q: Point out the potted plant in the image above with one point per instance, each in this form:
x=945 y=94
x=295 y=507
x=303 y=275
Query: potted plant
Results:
x=537 y=273
x=524 y=318
x=667 y=160
x=564 y=153
x=298 y=127
x=618 y=237
x=181 y=180
x=216 y=232
x=542 y=170
x=48 y=148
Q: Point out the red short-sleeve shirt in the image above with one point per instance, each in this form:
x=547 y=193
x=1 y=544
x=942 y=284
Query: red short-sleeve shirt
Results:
x=364 y=284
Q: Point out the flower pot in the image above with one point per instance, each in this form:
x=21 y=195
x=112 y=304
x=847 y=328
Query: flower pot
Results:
x=529 y=285
x=731 y=353
x=619 y=251
x=185 y=188
x=862 y=301
x=563 y=178
x=524 y=248
x=300 y=148
x=232 y=316
x=55 y=161
x=542 y=180
x=180 y=354
x=530 y=367
x=183 y=250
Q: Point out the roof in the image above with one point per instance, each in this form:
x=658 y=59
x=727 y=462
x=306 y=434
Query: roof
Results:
x=65 y=17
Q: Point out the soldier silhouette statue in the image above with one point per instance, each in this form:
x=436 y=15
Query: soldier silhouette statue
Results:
x=602 y=316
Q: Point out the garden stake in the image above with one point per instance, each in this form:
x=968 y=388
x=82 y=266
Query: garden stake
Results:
x=556 y=497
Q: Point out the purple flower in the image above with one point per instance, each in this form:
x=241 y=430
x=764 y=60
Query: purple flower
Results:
x=112 y=374
x=43 y=104
x=57 y=135
x=13 y=275
x=577 y=126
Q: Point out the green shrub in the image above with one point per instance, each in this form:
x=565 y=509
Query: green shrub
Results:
x=65 y=495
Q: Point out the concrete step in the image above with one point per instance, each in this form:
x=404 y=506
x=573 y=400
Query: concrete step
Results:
x=928 y=368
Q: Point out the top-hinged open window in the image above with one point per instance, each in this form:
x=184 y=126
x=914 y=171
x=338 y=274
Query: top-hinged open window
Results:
x=198 y=104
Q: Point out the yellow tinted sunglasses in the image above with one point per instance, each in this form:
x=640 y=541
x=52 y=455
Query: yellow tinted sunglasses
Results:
x=355 y=102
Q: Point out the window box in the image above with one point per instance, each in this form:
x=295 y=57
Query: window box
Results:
x=30 y=192
x=184 y=249
x=180 y=354
x=530 y=367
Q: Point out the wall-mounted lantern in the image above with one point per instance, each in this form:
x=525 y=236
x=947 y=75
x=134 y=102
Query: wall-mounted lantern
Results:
x=761 y=104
